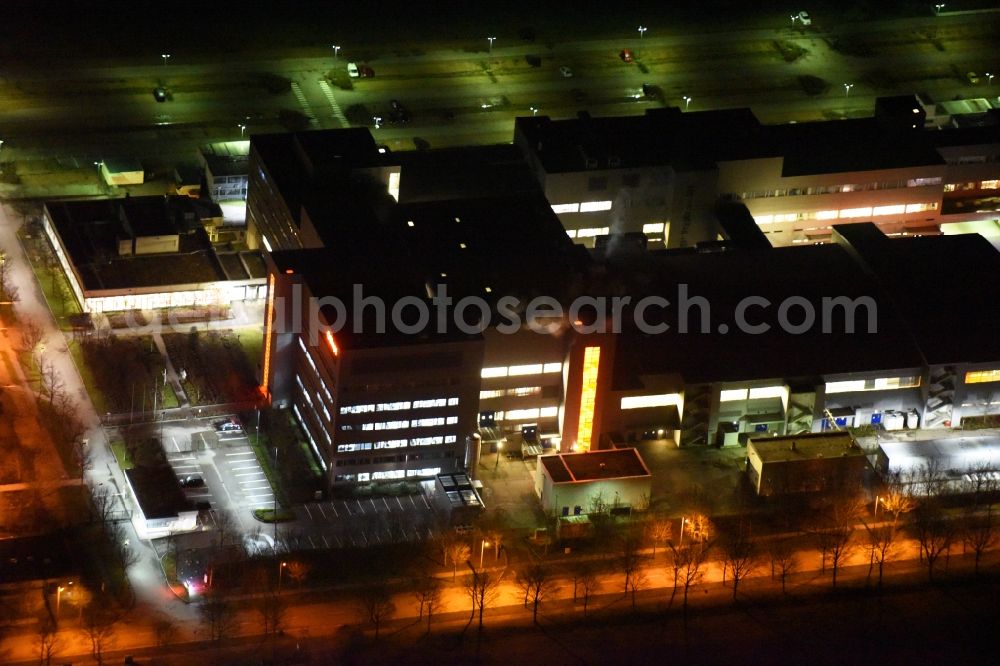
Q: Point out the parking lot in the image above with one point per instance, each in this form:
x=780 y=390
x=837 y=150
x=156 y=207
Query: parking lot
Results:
x=369 y=521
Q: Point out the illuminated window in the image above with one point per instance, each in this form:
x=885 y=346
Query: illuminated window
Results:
x=588 y=397
x=268 y=334
x=358 y=446
x=424 y=404
x=450 y=439
x=982 y=376
x=643 y=401
x=826 y=214
x=357 y=409
x=552 y=367
x=522 y=414
x=593 y=231
x=856 y=212
x=879 y=384
x=426 y=423
x=732 y=394
x=393 y=406
x=426 y=441
x=565 y=208
x=653 y=228
x=486 y=395
x=593 y=206
x=764 y=219
x=388 y=425
x=493 y=372
x=897 y=209
x=767 y=392
x=394 y=185
x=522 y=391
x=390 y=444
x=548 y=412
x=950 y=187
x=517 y=370
x=921 y=207
x=990 y=184
x=452 y=402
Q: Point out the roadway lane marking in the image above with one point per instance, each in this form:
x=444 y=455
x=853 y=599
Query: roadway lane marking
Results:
x=303 y=102
x=328 y=93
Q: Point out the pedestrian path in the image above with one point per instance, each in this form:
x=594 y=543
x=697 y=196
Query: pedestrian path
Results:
x=303 y=102
x=328 y=93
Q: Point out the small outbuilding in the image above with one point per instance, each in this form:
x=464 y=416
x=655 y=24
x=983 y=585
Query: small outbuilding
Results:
x=816 y=462
x=163 y=508
x=615 y=480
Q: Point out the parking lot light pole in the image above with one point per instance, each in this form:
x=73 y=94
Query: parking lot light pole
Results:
x=482 y=547
x=336 y=52
x=642 y=29
x=847 y=89
x=165 y=56
x=491 y=40
x=281 y=570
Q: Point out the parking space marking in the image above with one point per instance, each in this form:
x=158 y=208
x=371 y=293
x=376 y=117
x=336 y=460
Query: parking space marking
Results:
x=374 y=508
x=399 y=503
x=321 y=511
x=249 y=474
x=426 y=505
x=340 y=544
x=325 y=542
x=241 y=453
x=308 y=512
x=311 y=542
x=361 y=508
x=334 y=507
x=386 y=502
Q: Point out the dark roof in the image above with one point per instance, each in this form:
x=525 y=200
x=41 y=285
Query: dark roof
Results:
x=945 y=287
x=90 y=232
x=157 y=491
x=473 y=172
x=699 y=140
x=595 y=465
x=42 y=557
x=810 y=446
x=724 y=279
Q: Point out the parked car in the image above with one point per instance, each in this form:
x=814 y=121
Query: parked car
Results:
x=566 y=71
x=160 y=94
x=192 y=482
x=626 y=55
x=972 y=77
x=362 y=71
x=804 y=18
x=229 y=425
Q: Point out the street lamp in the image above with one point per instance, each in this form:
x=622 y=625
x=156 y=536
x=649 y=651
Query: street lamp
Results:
x=794 y=18
x=336 y=51
x=877 y=500
x=243 y=129
x=938 y=8
x=482 y=547
x=680 y=542
x=687 y=102
x=847 y=89
x=533 y=109
x=281 y=570
x=59 y=591
x=499 y=449
x=989 y=80
x=164 y=56
x=491 y=40
x=642 y=29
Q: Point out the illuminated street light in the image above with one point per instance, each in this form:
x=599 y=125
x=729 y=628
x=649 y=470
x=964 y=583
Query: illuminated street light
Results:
x=989 y=80
x=847 y=89
x=533 y=109
x=281 y=570
x=938 y=8
x=642 y=29
x=681 y=540
x=336 y=51
x=794 y=18
x=243 y=129
x=59 y=591
x=491 y=40
x=378 y=121
x=165 y=56
x=878 y=499
x=482 y=547
x=687 y=102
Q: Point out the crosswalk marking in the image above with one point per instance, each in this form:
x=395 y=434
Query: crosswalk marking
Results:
x=303 y=102
x=328 y=93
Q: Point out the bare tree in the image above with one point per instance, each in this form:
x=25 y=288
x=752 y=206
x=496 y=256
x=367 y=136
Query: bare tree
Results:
x=483 y=589
x=658 y=530
x=227 y=526
x=739 y=557
x=492 y=527
x=48 y=641
x=8 y=290
x=836 y=527
x=50 y=382
x=783 y=560
x=271 y=608
x=629 y=558
x=31 y=335
x=456 y=551
x=538 y=583
x=896 y=497
x=166 y=631
x=102 y=505
x=686 y=561
x=218 y=613
x=979 y=532
x=586 y=582
x=99 y=626
x=934 y=532
x=126 y=554
x=636 y=582
x=981 y=482
x=428 y=595
x=377 y=604
x=881 y=544
x=931 y=478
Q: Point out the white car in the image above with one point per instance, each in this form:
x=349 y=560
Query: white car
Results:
x=804 y=18
x=352 y=70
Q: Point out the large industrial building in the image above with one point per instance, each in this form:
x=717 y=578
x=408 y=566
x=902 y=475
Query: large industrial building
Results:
x=736 y=337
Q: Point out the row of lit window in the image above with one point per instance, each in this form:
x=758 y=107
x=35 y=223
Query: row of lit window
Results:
x=729 y=395
x=415 y=423
x=398 y=406
x=519 y=370
x=312 y=442
x=847 y=213
x=982 y=376
x=397 y=443
x=309 y=400
x=581 y=207
x=589 y=232
x=834 y=189
x=312 y=365
x=520 y=391
x=398 y=474
x=645 y=401
x=526 y=414
x=879 y=384
x=981 y=185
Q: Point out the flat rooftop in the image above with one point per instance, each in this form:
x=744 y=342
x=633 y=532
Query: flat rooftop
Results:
x=158 y=491
x=812 y=446
x=950 y=454
x=595 y=465
x=91 y=230
x=44 y=557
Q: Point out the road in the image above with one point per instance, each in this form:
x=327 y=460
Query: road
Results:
x=98 y=110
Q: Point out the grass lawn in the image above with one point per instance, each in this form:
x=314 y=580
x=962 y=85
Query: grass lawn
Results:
x=53 y=283
x=121 y=454
x=96 y=396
